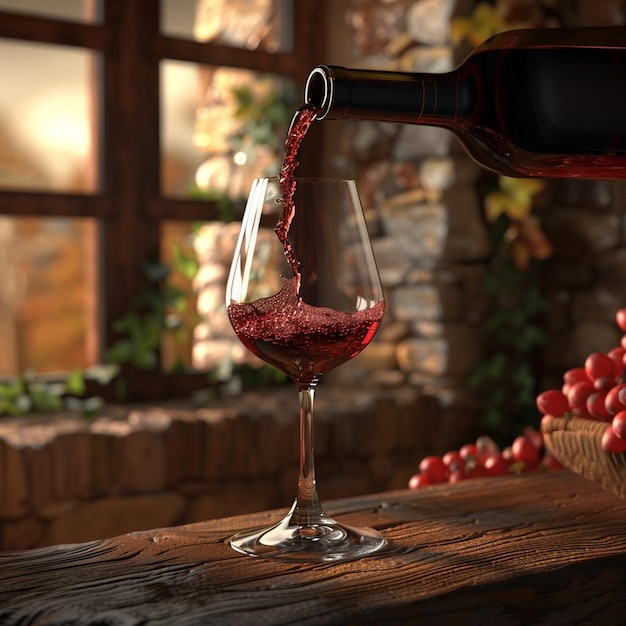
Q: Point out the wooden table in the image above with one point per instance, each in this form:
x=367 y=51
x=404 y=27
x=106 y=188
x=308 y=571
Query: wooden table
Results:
x=537 y=549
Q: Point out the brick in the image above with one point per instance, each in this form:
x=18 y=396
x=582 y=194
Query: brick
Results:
x=40 y=475
x=71 y=465
x=217 y=446
x=101 y=464
x=142 y=462
x=14 y=494
x=244 y=453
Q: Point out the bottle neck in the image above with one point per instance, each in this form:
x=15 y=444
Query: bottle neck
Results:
x=399 y=97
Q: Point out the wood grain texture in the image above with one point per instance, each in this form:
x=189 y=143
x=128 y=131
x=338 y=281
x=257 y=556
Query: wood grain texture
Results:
x=541 y=549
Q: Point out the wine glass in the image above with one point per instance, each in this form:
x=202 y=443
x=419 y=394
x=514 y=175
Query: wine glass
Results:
x=304 y=295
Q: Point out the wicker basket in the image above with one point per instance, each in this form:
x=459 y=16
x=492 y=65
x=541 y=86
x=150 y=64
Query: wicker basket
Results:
x=577 y=443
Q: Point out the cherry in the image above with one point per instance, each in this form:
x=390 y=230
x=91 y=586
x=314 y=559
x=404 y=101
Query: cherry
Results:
x=599 y=364
x=553 y=402
x=620 y=318
x=524 y=451
x=612 y=443
x=618 y=424
x=434 y=468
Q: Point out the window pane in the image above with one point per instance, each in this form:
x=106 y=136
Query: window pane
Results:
x=47 y=117
x=47 y=319
x=252 y=24
x=220 y=128
x=87 y=11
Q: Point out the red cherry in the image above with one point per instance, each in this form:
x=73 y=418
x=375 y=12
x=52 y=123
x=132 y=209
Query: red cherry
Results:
x=618 y=424
x=524 y=451
x=478 y=471
x=599 y=364
x=534 y=436
x=612 y=443
x=496 y=465
x=551 y=463
x=603 y=383
x=453 y=461
x=575 y=375
x=578 y=394
x=620 y=318
x=468 y=451
x=552 y=401
x=507 y=454
x=457 y=476
x=613 y=403
x=418 y=480
x=596 y=405
x=434 y=468
x=617 y=356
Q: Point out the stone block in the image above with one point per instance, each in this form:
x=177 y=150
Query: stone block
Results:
x=419 y=233
x=454 y=354
x=393 y=263
x=434 y=302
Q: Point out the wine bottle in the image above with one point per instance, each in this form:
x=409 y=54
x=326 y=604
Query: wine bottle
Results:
x=541 y=102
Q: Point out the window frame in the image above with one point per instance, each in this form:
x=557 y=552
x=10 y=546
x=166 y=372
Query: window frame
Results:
x=128 y=205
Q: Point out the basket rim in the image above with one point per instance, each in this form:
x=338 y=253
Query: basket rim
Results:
x=573 y=424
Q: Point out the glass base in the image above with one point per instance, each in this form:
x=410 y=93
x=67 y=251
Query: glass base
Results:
x=325 y=541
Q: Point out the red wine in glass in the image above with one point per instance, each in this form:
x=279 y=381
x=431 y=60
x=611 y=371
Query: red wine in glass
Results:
x=305 y=301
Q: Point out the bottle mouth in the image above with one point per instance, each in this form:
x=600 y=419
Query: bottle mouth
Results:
x=318 y=91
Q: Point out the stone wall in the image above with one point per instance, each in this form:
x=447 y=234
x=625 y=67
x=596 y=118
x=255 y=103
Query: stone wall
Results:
x=67 y=479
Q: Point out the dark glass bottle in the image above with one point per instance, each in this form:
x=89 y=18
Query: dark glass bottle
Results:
x=544 y=102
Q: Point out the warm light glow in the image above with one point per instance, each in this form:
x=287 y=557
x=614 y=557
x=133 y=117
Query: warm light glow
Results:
x=240 y=158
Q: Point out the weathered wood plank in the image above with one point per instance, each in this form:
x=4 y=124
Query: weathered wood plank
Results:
x=535 y=549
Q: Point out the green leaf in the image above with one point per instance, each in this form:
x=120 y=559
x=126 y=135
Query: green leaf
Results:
x=187 y=264
x=120 y=352
x=12 y=389
x=75 y=383
x=145 y=360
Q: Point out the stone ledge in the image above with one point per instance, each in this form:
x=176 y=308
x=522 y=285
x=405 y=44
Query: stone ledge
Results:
x=66 y=479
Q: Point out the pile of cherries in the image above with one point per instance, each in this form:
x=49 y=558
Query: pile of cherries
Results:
x=596 y=391
x=527 y=454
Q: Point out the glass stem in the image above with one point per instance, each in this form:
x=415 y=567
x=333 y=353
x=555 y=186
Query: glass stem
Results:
x=307 y=508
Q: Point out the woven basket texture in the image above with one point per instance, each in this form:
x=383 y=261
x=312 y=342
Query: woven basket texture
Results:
x=577 y=443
